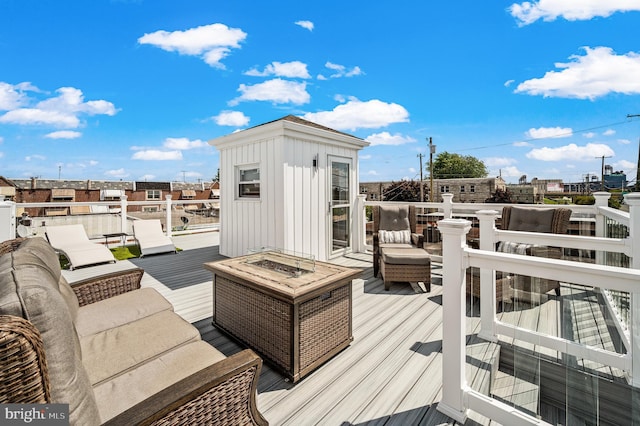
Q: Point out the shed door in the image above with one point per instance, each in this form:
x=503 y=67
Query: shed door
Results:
x=340 y=205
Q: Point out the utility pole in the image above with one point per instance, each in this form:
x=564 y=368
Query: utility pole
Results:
x=432 y=150
x=421 y=181
x=602 y=173
x=637 y=186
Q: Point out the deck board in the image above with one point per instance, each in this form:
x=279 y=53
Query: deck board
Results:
x=391 y=374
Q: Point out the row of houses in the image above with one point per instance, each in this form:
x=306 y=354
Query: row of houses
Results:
x=203 y=196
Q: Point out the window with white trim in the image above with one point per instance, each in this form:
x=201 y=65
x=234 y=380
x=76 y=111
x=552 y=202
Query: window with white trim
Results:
x=248 y=178
x=153 y=194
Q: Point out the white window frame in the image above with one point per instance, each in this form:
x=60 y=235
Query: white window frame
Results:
x=149 y=195
x=255 y=182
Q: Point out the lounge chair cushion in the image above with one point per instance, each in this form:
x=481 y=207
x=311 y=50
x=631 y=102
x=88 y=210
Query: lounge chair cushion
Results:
x=27 y=292
x=405 y=256
x=73 y=242
x=394 y=218
x=119 y=310
x=126 y=390
x=150 y=237
x=531 y=219
x=118 y=350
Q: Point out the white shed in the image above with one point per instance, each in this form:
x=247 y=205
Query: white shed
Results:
x=289 y=184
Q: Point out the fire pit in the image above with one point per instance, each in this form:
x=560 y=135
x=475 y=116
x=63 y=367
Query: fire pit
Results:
x=294 y=311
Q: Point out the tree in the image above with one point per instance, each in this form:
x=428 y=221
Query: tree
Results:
x=450 y=166
x=500 y=196
x=404 y=190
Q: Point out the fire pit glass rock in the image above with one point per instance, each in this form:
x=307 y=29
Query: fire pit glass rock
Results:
x=289 y=263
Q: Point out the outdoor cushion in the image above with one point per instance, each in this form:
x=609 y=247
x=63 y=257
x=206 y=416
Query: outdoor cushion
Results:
x=531 y=219
x=150 y=237
x=126 y=390
x=394 y=218
x=73 y=242
x=117 y=350
x=405 y=256
x=27 y=291
x=119 y=310
x=396 y=245
x=395 y=237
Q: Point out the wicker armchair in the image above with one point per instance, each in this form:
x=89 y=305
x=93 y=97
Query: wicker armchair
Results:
x=526 y=219
x=393 y=218
x=37 y=358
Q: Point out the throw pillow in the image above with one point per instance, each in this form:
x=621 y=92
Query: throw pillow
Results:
x=395 y=237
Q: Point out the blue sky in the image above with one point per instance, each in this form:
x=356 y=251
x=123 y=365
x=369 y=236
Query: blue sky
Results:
x=133 y=90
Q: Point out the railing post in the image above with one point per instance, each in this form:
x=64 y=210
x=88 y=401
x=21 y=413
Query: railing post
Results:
x=123 y=215
x=487 y=220
x=447 y=206
x=602 y=200
x=454 y=381
x=7 y=220
x=359 y=224
x=168 y=215
x=633 y=201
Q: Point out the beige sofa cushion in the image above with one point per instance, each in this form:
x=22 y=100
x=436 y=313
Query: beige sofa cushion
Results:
x=115 y=351
x=29 y=291
x=119 y=310
x=122 y=392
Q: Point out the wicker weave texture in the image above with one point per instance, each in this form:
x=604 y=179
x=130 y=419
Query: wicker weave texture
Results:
x=106 y=286
x=10 y=245
x=224 y=405
x=261 y=321
x=324 y=325
x=23 y=368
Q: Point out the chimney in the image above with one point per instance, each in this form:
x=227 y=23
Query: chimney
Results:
x=88 y=184
x=34 y=181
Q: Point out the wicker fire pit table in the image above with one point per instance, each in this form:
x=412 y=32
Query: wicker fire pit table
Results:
x=294 y=311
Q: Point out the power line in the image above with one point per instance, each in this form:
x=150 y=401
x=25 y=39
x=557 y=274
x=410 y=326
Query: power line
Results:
x=619 y=123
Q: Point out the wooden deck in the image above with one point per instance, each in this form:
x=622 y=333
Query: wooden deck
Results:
x=391 y=374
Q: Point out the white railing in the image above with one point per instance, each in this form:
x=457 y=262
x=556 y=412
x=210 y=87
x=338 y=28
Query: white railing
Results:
x=457 y=257
x=106 y=217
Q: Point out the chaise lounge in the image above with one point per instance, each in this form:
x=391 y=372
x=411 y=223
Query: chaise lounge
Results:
x=148 y=233
x=115 y=352
x=74 y=244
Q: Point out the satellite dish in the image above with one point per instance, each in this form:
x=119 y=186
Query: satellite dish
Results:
x=22 y=231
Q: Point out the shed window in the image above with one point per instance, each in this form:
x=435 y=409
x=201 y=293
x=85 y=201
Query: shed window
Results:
x=188 y=194
x=63 y=194
x=249 y=182
x=154 y=194
x=111 y=194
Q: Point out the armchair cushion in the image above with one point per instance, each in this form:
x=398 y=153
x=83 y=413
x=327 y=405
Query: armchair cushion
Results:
x=531 y=219
x=394 y=218
x=395 y=237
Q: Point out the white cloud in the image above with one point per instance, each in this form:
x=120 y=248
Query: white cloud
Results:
x=1 y=154
x=63 y=134
x=386 y=138
x=509 y=171
x=571 y=152
x=305 y=24
x=589 y=135
x=624 y=141
x=157 y=155
x=372 y=173
x=549 y=10
x=231 y=118
x=609 y=132
x=509 y=83
x=277 y=91
x=599 y=72
x=118 y=173
x=14 y=96
x=147 y=177
x=35 y=157
x=183 y=143
x=549 y=132
x=181 y=175
x=293 y=69
x=1 y=139
x=356 y=114
x=499 y=161
x=93 y=163
x=342 y=71
x=364 y=157
x=211 y=42
x=625 y=165
x=60 y=111
x=521 y=143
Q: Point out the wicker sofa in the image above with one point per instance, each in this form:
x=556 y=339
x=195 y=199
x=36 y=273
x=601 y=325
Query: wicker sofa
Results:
x=115 y=352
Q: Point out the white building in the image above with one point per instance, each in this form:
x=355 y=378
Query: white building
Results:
x=289 y=184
